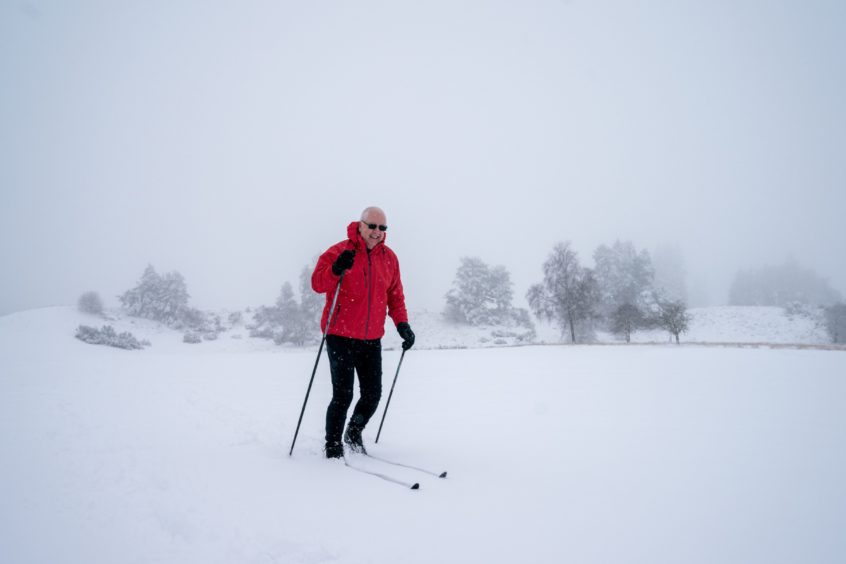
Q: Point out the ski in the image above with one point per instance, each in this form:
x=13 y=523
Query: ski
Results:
x=404 y=465
x=409 y=485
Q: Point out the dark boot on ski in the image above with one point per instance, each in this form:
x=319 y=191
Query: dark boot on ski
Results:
x=334 y=449
x=353 y=439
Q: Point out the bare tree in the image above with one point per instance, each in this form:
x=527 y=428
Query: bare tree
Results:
x=568 y=293
x=674 y=318
x=625 y=320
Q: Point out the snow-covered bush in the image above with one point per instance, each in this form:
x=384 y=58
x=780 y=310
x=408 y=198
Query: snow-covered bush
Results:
x=108 y=336
x=90 y=302
x=524 y=336
x=164 y=298
x=192 y=338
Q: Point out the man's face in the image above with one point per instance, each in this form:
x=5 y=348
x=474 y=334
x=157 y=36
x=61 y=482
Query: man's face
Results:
x=372 y=237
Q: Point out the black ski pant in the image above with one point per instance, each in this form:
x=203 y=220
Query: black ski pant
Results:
x=347 y=356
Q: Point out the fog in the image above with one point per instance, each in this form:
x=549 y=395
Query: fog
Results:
x=234 y=144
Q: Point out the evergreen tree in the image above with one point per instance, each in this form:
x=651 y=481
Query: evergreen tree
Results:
x=311 y=302
x=160 y=298
x=780 y=286
x=289 y=321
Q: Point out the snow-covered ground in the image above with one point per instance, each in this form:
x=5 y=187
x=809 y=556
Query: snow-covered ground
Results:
x=179 y=453
x=724 y=324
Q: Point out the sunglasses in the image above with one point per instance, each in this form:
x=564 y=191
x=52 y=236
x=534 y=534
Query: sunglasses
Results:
x=374 y=226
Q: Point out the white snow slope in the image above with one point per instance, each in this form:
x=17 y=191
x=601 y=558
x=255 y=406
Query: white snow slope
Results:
x=614 y=454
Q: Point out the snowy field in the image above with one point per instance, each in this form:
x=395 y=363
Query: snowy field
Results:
x=583 y=454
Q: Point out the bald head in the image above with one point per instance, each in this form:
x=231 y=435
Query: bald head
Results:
x=371 y=214
x=376 y=217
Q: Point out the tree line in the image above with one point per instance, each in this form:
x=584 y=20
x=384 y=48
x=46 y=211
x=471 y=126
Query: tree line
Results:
x=619 y=294
x=625 y=291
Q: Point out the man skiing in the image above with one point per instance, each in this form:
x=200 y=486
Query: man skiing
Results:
x=369 y=275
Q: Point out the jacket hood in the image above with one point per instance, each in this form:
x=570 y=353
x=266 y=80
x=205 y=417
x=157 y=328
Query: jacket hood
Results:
x=356 y=239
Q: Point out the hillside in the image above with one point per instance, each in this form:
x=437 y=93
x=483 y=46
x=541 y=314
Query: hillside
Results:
x=726 y=324
x=179 y=454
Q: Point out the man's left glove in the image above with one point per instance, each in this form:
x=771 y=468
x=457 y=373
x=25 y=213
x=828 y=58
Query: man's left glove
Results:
x=404 y=329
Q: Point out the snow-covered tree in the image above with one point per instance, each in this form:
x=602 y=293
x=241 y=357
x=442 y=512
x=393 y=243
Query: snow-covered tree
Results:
x=160 y=298
x=90 y=302
x=674 y=318
x=625 y=320
x=292 y=322
x=568 y=294
x=624 y=274
x=289 y=321
x=480 y=295
x=311 y=303
x=835 y=322
x=781 y=285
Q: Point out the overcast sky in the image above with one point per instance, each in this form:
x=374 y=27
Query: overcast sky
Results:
x=234 y=141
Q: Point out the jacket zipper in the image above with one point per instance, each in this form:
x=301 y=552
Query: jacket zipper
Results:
x=368 y=279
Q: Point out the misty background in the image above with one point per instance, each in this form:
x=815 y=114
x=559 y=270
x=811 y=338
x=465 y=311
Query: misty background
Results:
x=235 y=143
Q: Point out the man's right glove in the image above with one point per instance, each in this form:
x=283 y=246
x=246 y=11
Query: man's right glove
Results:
x=343 y=262
x=404 y=329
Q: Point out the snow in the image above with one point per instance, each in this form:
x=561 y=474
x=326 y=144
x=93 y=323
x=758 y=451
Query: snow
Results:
x=719 y=324
x=179 y=453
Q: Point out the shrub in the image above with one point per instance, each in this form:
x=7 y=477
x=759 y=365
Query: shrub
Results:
x=191 y=337
x=107 y=336
x=90 y=302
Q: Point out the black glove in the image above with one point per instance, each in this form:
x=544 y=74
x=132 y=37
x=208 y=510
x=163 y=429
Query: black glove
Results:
x=343 y=262
x=404 y=329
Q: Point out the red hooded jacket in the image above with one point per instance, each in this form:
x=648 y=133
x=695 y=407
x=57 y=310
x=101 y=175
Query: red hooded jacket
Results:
x=370 y=289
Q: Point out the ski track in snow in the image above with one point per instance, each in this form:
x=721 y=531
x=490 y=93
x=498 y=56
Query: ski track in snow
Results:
x=581 y=454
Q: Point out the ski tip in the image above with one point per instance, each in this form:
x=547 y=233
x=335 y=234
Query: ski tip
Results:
x=443 y=475
x=415 y=486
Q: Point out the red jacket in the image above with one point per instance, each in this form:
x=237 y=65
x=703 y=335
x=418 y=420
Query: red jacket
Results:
x=370 y=288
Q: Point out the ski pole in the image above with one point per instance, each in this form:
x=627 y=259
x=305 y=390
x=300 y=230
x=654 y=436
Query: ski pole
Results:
x=317 y=360
x=388 y=403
